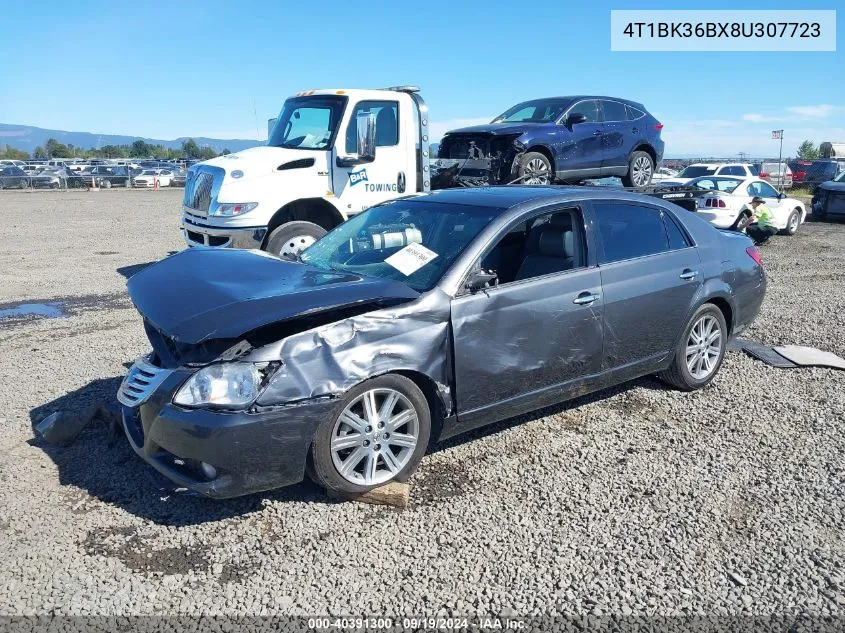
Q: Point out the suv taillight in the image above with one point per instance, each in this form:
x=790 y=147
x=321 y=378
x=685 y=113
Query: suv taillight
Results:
x=764 y=174
x=754 y=254
x=658 y=126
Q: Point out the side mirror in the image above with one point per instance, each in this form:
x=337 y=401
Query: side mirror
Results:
x=781 y=196
x=271 y=123
x=366 y=124
x=575 y=118
x=480 y=279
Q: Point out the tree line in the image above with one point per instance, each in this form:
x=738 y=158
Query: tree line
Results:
x=139 y=149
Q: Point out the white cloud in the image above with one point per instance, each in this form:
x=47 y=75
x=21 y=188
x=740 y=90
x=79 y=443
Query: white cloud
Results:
x=813 y=111
x=437 y=129
x=753 y=117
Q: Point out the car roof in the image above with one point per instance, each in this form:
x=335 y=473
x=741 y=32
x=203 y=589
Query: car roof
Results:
x=506 y=197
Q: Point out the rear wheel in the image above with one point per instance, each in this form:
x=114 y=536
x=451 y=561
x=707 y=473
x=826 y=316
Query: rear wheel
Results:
x=640 y=170
x=535 y=169
x=291 y=238
x=378 y=433
x=793 y=222
x=700 y=352
x=107 y=184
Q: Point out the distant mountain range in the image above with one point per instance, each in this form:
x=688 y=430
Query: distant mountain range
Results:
x=27 y=138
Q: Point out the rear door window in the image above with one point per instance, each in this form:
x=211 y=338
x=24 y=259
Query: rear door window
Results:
x=589 y=109
x=629 y=230
x=677 y=238
x=614 y=111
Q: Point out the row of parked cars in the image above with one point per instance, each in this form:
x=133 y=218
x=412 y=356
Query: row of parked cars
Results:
x=780 y=175
x=103 y=175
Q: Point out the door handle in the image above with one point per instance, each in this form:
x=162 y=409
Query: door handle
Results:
x=689 y=274
x=635 y=130
x=586 y=298
x=597 y=133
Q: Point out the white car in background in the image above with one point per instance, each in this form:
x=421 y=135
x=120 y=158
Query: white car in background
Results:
x=727 y=196
x=743 y=170
x=148 y=177
x=664 y=173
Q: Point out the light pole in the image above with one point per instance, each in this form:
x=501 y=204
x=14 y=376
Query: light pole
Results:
x=778 y=134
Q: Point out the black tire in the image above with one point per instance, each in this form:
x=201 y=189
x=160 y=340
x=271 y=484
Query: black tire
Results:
x=678 y=374
x=23 y=184
x=794 y=218
x=292 y=237
x=641 y=160
x=534 y=162
x=321 y=467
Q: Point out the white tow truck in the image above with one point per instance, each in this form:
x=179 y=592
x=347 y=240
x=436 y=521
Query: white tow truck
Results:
x=330 y=154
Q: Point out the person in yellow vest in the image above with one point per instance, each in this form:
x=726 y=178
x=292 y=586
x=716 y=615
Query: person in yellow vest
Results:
x=762 y=225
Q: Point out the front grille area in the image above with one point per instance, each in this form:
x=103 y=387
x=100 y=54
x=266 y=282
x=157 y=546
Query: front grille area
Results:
x=141 y=381
x=198 y=191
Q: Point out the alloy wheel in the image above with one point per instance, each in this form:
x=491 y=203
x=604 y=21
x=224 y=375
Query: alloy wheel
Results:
x=374 y=437
x=641 y=171
x=537 y=172
x=704 y=347
x=793 y=223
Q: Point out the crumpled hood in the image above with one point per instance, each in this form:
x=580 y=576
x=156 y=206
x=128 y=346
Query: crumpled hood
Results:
x=204 y=294
x=258 y=160
x=495 y=128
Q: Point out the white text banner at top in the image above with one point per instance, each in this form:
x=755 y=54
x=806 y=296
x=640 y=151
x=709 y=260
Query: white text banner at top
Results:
x=723 y=30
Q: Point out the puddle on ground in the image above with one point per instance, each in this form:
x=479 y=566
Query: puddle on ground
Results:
x=32 y=310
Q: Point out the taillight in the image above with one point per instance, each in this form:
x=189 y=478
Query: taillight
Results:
x=754 y=254
x=764 y=174
x=715 y=203
x=658 y=126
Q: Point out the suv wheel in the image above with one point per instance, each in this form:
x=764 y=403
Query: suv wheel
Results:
x=640 y=170
x=535 y=169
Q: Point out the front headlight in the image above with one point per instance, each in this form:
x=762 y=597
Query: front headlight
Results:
x=229 y=209
x=229 y=385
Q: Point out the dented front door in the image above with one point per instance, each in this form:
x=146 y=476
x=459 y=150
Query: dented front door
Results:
x=525 y=344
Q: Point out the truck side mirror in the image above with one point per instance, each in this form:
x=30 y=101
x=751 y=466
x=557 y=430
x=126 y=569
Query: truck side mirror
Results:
x=366 y=142
x=271 y=123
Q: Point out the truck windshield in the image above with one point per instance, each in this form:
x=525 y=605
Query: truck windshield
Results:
x=537 y=111
x=404 y=240
x=308 y=122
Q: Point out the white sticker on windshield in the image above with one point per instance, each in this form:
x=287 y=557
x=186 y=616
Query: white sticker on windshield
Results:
x=411 y=258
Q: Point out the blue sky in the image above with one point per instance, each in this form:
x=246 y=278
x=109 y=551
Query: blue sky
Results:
x=170 y=69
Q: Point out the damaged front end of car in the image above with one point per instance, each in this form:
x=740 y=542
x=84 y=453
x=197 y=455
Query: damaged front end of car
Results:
x=250 y=354
x=477 y=160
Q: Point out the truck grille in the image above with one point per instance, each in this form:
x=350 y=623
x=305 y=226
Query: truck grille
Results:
x=141 y=381
x=198 y=191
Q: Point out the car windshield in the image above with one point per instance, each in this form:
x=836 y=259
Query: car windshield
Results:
x=694 y=171
x=716 y=184
x=307 y=122
x=537 y=111
x=404 y=240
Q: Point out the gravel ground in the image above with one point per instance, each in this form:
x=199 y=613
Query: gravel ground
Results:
x=638 y=500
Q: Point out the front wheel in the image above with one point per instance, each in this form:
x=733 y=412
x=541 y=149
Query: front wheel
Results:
x=700 y=352
x=291 y=238
x=535 y=169
x=793 y=222
x=640 y=170
x=378 y=433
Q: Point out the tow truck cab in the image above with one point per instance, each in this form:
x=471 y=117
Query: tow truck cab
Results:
x=330 y=155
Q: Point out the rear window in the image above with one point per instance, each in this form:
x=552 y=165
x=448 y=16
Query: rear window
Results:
x=633 y=113
x=629 y=230
x=694 y=171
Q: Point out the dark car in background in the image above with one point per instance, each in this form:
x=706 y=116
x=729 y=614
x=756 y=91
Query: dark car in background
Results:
x=558 y=139
x=12 y=177
x=829 y=198
x=419 y=319
x=820 y=171
x=109 y=176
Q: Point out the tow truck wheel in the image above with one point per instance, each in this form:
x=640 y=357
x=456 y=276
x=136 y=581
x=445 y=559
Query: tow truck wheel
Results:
x=289 y=239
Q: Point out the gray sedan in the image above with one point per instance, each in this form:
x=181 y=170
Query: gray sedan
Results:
x=419 y=319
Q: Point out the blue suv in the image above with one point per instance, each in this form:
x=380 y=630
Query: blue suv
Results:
x=557 y=139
